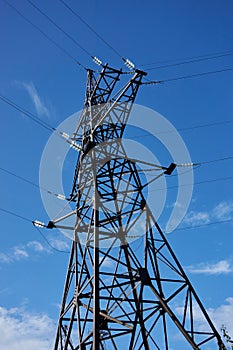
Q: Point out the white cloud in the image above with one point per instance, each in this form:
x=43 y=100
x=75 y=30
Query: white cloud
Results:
x=223 y=211
x=14 y=254
x=5 y=258
x=221 y=267
x=21 y=252
x=20 y=329
x=37 y=246
x=60 y=244
x=39 y=104
x=197 y=218
x=222 y=315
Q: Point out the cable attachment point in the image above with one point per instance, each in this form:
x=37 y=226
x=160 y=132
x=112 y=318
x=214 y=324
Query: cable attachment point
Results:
x=50 y=225
x=75 y=146
x=129 y=64
x=97 y=61
x=65 y=135
x=187 y=164
x=38 y=223
x=170 y=169
x=153 y=82
x=60 y=196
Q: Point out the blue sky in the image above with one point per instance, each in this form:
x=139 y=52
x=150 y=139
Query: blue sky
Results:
x=42 y=79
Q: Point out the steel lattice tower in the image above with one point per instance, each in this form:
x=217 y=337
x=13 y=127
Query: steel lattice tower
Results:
x=114 y=298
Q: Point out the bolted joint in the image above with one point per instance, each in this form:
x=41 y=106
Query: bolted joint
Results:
x=144 y=276
x=50 y=225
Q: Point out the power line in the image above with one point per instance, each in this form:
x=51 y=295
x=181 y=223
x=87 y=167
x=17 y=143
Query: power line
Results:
x=60 y=28
x=19 y=177
x=47 y=126
x=16 y=215
x=186 y=128
x=187 y=76
x=59 y=196
x=225 y=53
x=47 y=241
x=206 y=125
x=195 y=183
x=186 y=61
x=33 y=117
x=45 y=35
x=91 y=28
x=216 y=160
x=40 y=122
x=189 y=58
x=200 y=74
x=31 y=221
x=202 y=225
x=205 y=162
x=190 y=61
x=159 y=189
x=62 y=251
x=126 y=61
x=53 y=129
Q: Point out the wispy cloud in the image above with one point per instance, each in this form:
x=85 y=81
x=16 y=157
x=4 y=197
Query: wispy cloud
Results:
x=22 y=252
x=60 y=244
x=21 y=329
x=221 y=315
x=221 y=267
x=197 y=218
x=37 y=246
x=38 y=102
x=222 y=211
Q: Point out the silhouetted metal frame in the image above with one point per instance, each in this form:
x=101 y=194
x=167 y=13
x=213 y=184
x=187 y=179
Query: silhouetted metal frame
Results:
x=105 y=308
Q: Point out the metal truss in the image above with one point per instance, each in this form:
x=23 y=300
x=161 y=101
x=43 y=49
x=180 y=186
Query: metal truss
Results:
x=115 y=297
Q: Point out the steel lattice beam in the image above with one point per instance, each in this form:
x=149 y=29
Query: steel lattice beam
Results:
x=112 y=296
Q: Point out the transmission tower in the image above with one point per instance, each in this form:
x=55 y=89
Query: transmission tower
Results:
x=113 y=297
